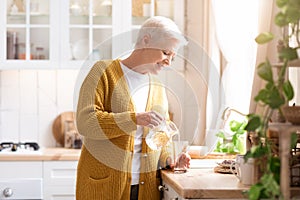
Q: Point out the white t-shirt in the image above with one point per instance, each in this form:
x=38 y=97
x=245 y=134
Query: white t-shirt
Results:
x=138 y=85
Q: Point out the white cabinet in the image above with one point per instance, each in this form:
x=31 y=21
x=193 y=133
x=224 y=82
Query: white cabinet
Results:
x=29 y=33
x=169 y=193
x=21 y=169
x=49 y=34
x=21 y=180
x=48 y=180
x=59 y=179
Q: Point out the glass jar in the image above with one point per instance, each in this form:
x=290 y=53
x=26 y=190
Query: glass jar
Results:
x=71 y=135
x=39 y=53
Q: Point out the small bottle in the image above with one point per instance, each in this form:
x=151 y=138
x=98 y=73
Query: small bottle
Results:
x=39 y=53
x=69 y=130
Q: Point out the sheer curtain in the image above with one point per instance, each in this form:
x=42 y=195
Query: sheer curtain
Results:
x=226 y=29
x=236 y=26
x=266 y=16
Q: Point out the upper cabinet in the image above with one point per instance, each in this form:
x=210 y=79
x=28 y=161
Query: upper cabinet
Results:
x=50 y=34
x=29 y=32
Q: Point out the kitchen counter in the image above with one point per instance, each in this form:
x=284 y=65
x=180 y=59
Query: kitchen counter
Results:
x=204 y=184
x=43 y=154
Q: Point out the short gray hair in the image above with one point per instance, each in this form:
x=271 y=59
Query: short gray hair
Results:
x=160 y=29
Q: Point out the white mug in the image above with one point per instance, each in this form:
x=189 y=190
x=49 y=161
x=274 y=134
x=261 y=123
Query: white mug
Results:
x=244 y=171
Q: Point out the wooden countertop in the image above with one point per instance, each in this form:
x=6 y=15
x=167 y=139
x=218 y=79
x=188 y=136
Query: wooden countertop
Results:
x=204 y=184
x=42 y=154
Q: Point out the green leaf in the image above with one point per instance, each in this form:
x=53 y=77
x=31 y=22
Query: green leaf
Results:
x=240 y=132
x=269 y=85
x=264 y=37
x=257 y=151
x=294 y=140
x=281 y=3
x=264 y=71
x=288 y=90
x=255 y=191
x=281 y=20
x=275 y=168
x=262 y=95
x=270 y=184
x=288 y=53
x=292 y=13
x=221 y=135
x=234 y=125
x=253 y=123
x=234 y=139
x=275 y=99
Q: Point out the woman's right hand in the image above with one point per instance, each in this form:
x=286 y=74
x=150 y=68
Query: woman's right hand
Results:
x=149 y=119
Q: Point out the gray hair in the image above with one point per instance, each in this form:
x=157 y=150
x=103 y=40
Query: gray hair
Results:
x=160 y=29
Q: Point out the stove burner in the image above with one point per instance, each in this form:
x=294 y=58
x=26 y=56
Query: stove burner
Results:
x=32 y=146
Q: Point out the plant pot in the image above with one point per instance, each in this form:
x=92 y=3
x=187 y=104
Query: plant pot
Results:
x=292 y=114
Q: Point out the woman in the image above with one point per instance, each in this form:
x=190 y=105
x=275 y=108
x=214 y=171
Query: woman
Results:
x=119 y=101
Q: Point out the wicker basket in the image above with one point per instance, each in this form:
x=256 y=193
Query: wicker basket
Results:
x=292 y=114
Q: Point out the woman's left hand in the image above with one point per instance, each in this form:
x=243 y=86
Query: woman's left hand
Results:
x=183 y=160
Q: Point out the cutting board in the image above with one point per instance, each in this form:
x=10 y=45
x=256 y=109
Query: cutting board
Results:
x=58 y=126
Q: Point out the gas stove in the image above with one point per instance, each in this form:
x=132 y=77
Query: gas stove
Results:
x=26 y=147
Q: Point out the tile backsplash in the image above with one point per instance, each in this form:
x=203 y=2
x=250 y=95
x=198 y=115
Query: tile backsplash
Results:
x=30 y=100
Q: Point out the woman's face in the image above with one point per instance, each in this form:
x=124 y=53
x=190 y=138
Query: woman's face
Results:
x=158 y=59
x=155 y=59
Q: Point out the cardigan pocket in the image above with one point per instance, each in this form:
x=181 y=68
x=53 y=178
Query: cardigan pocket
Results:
x=99 y=188
x=101 y=180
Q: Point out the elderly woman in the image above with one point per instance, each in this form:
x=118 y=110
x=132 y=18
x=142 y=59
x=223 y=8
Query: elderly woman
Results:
x=119 y=101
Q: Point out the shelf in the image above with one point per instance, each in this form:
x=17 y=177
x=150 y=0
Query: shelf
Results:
x=293 y=63
x=284 y=131
x=24 y=14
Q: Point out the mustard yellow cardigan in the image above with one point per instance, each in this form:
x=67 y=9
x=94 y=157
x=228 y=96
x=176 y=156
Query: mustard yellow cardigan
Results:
x=106 y=120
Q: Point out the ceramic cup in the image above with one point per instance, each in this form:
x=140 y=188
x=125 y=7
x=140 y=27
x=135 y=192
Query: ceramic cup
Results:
x=244 y=171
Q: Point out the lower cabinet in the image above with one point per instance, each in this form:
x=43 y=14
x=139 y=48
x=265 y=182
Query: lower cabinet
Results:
x=59 y=180
x=21 y=180
x=47 y=180
x=169 y=193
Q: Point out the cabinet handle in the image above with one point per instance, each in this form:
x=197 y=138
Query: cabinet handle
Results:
x=7 y=192
x=163 y=188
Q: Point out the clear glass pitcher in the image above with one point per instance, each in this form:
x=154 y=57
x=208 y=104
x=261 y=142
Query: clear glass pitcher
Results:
x=160 y=135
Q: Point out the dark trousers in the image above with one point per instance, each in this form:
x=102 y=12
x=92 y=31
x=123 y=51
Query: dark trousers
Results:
x=134 y=192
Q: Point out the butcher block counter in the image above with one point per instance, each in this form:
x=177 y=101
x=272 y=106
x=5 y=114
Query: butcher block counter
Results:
x=44 y=154
x=204 y=184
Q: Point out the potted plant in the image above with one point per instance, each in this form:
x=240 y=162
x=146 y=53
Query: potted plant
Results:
x=273 y=97
x=232 y=143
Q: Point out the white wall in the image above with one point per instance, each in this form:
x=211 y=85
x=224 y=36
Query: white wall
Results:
x=29 y=102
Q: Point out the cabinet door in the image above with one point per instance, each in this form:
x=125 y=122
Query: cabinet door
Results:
x=29 y=169
x=60 y=193
x=59 y=179
x=21 y=180
x=30 y=34
x=60 y=173
x=169 y=193
x=86 y=26
x=105 y=29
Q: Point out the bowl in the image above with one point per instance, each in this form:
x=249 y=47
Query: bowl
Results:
x=292 y=114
